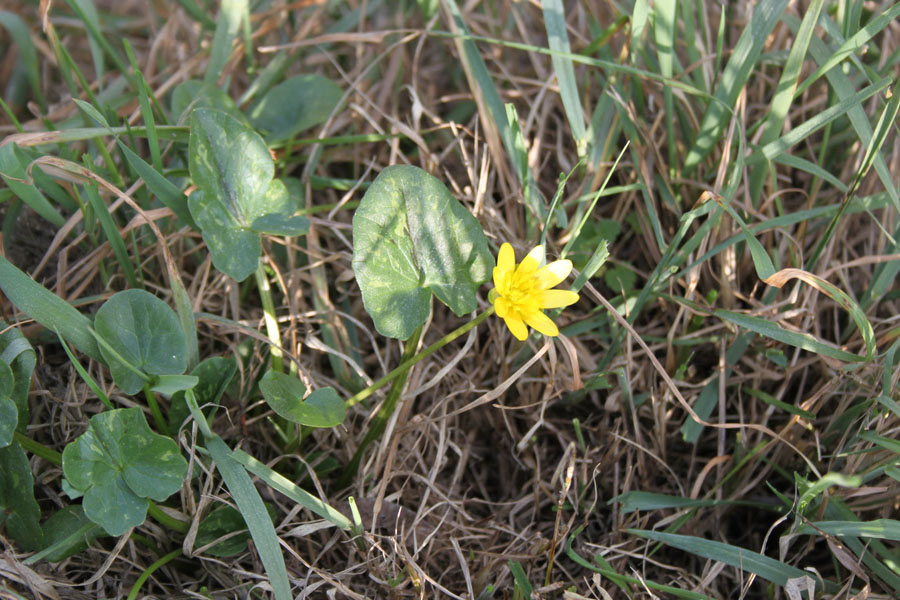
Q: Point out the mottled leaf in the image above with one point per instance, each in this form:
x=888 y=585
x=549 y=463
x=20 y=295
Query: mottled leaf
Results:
x=412 y=238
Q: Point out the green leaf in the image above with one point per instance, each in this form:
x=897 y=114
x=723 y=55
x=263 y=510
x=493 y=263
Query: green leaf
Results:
x=237 y=199
x=771 y=330
x=229 y=162
x=234 y=251
x=117 y=464
x=67 y=533
x=884 y=529
x=9 y=413
x=637 y=500
x=295 y=105
x=47 y=308
x=170 y=384
x=19 y=511
x=284 y=394
x=411 y=237
x=231 y=14
x=18 y=30
x=193 y=94
x=143 y=332
x=213 y=376
x=280 y=483
x=13 y=173
x=255 y=515
x=766 y=15
x=16 y=351
x=740 y=558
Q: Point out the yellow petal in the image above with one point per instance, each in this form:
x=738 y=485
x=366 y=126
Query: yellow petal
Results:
x=531 y=262
x=517 y=327
x=501 y=306
x=558 y=298
x=553 y=274
x=500 y=279
x=506 y=258
x=542 y=323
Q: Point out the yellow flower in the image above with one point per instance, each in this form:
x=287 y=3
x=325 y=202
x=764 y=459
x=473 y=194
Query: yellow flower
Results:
x=521 y=293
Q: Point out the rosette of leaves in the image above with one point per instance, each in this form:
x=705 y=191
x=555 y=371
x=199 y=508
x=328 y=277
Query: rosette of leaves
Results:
x=117 y=465
x=412 y=239
x=237 y=199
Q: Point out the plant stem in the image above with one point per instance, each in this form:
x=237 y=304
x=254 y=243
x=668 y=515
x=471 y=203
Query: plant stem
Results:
x=164 y=518
x=154 y=410
x=146 y=574
x=38 y=449
x=387 y=409
x=265 y=296
x=406 y=364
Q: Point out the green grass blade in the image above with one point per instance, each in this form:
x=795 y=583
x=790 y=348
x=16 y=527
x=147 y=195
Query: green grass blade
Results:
x=111 y=231
x=883 y=529
x=746 y=52
x=144 y=95
x=606 y=570
x=637 y=500
x=784 y=94
x=752 y=562
x=27 y=52
x=96 y=35
x=805 y=129
x=843 y=88
x=89 y=12
x=558 y=40
x=14 y=174
x=254 y=513
x=497 y=118
x=804 y=341
x=664 y=36
x=280 y=483
x=47 y=308
x=85 y=376
x=852 y=45
x=231 y=13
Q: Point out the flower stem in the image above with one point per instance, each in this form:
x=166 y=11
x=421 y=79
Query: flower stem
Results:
x=265 y=296
x=398 y=377
x=154 y=410
x=387 y=409
x=407 y=363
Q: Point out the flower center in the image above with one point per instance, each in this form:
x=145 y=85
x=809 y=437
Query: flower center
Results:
x=520 y=290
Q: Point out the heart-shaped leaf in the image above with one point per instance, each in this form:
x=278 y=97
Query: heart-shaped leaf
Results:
x=141 y=333
x=284 y=394
x=117 y=464
x=412 y=238
x=236 y=199
x=294 y=105
x=19 y=511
